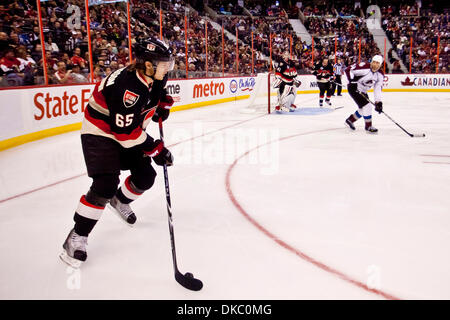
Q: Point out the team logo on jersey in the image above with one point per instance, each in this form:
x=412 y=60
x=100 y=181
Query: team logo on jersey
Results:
x=130 y=99
x=151 y=47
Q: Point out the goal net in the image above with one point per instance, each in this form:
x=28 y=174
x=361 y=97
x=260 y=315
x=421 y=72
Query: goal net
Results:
x=263 y=98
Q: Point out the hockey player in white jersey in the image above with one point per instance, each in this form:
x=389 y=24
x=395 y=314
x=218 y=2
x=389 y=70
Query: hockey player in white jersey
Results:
x=287 y=82
x=361 y=78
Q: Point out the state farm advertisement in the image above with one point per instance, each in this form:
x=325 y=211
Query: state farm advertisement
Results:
x=60 y=103
x=29 y=110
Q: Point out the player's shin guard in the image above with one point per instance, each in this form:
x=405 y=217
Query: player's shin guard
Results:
x=89 y=211
x=368 y=126
x=354 y=117
x=287 y=97
x=351 y=119
x=127 y=193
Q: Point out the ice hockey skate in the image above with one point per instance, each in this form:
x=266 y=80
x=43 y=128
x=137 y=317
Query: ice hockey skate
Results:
x=279 y=109
x=371 y=130
x=350 y=124
x=74 y=253
x=123 y=210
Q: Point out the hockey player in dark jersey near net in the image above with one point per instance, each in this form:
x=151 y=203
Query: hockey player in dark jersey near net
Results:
x=287 y=82
x=361 y=78
x=324 y=75
x=113 y=138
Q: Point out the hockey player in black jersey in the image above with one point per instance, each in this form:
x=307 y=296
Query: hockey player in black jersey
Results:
x=113 y=139
x=324 y=75
x=287 y=82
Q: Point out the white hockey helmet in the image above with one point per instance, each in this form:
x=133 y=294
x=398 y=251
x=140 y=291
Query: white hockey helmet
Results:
x=377 y=58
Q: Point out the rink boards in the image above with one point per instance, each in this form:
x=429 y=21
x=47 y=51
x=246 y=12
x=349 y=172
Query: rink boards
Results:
x=28 y=114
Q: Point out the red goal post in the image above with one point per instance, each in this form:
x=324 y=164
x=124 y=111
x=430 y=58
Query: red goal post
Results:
x=263 y=98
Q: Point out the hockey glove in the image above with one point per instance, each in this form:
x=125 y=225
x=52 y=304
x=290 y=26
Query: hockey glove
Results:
x=329 y=85
x=164 y=158
x=160 y=154
x=163 y=109
x=277 y=83
x=379 y=106
x=297 y=83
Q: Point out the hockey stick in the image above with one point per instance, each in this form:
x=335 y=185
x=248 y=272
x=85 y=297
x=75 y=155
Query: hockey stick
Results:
x=187 y=280
x=338 y=84
x=368 y=100
x=410 y=134
x=404 y=130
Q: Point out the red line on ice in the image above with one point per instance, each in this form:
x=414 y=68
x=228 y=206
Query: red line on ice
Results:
x=436 y=162
x=435 y=155
x=41 y=188
x=246 y=215
x=79 y=175
x=285 y=245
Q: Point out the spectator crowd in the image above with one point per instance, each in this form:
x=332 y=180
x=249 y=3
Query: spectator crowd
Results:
x=66 y=38
x=405 y=28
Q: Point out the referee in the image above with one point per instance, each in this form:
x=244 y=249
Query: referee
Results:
x=338 y=69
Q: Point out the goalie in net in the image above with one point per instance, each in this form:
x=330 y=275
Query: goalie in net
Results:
x=286 y=83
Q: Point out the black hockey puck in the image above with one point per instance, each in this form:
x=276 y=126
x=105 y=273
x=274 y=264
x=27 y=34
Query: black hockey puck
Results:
x=189 y=275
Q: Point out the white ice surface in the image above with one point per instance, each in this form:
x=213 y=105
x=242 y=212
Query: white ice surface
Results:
x=367 y=206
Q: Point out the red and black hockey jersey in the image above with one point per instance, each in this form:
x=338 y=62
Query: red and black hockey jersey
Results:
x=285 y=71
x=120 y=108
x=323 y=73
